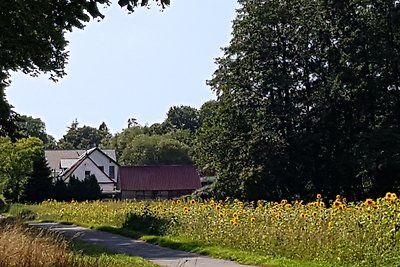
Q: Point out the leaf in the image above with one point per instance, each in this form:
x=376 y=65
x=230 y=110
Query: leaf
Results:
x=123 y=3
x=130 y=7
x=94 y=10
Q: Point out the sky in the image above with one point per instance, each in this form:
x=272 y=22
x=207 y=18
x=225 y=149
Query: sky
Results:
x=131 y=66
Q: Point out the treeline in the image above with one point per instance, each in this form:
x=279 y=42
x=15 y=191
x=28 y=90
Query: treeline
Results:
x=172 y=141
x=309 y=101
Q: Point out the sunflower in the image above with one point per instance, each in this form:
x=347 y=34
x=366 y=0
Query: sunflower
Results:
x=252 y=219
x=303 y=215
x=314 y=214
x=185 y=210
x=319 y=196
x=337 y=204
x=234 y=222
x=369 y=202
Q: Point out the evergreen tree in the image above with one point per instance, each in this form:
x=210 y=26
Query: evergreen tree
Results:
x=60 y=191
x=92 y=188
x=39 y=185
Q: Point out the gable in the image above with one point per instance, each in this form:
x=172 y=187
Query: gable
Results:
x=86 y=164
x=54 y=157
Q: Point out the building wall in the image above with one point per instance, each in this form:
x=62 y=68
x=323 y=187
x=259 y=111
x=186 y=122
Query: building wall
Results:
x=104 y=161
x=156 y=194
x=88 y=166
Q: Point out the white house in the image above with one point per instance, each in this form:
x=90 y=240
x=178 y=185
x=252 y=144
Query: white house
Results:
x=83 y=163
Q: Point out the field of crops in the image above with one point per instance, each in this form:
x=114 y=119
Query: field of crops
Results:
x=348 y=234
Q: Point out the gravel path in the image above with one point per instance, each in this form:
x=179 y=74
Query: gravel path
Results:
x=119 y=244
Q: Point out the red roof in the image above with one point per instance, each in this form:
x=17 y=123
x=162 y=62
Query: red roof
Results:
x=160 y=178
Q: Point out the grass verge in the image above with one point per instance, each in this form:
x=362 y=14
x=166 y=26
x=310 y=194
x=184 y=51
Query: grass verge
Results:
x=22 y=245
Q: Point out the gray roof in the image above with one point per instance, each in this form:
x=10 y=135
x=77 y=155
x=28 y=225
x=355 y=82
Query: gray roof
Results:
x=55 y=157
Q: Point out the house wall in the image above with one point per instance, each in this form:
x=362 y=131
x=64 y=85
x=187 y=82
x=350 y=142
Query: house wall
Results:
x=102 y=160
x=155 y=194
x=108 y=188
x=87 y=165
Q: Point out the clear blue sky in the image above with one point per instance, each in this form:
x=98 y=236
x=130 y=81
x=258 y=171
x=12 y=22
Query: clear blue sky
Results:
x=131 y=65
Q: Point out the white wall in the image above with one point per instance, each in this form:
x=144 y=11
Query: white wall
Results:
x=104 y=161
x=87 y=165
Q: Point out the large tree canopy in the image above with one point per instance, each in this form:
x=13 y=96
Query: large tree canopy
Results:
x=84 y=137
x=32 y=38
x=309 y=99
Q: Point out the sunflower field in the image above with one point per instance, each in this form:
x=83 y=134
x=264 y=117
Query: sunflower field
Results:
x=337 y=232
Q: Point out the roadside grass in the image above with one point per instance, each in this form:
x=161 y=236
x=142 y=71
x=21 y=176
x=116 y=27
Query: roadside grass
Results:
x=24 y=246
x=106 y=258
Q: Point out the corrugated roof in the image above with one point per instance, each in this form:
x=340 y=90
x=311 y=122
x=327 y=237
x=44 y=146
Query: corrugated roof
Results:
x=159 y=178
x=54 y=156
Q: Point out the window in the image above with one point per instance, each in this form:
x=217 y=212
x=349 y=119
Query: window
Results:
x=111 y=171
x=87 y=174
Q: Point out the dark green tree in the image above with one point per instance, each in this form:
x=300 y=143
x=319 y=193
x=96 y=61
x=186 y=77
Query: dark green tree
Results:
x=155 y=150
x=7 y=115
x=84 y=137
x=182 y=118
x=39 y=186
x=76 y=190
x=33 y=39
x=301 y=87
x=60 y=191
x=92 y=188
x=34 y=127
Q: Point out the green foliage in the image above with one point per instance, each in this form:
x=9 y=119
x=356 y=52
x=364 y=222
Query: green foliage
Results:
x=34 y=127
x=39 y=185
x=7 y=115
x=155 y=150
x=33 y=40
x=301 y=88
x=146 y=222
x=77 y=189
x=84 y=137
x=17 y=164
x=183 y=118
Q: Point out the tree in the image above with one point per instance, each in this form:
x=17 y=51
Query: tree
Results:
x=207 y=111
x=7 y=115
x=60 y=191
x=17 y=165
x=84 y=137
x=121 y=140
x=300 y=87
x=33 y=39
x=154 y=150
x=33 y=32
x=39 y=184
x=34 y=127
x=92 y=188
x=183 y=118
